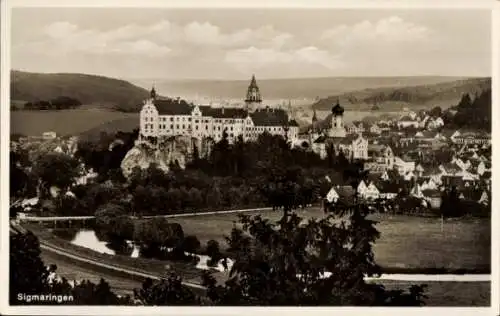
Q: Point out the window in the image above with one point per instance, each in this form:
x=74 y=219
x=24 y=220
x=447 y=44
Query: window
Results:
x=196 y=127
x=196 y=121
x=172 y=126
x=177 y=126
x=171 y=119
x=189 y=119
x=183 y=126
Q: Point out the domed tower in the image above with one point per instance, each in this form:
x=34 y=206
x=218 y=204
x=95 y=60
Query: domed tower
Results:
x=337 y=129
x=253 y=98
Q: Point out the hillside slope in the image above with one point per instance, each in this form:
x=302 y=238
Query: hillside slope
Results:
x=443 y=94
x=89 y=89
x=272 y=89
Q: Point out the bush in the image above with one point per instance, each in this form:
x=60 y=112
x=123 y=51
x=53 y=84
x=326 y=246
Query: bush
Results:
x=213 y=251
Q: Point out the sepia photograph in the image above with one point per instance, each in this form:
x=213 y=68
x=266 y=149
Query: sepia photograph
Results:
x=210 y=156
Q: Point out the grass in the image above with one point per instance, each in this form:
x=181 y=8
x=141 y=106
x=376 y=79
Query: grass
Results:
x=438 y=293
x=67 y=122
x=406 y=242
x=448 y=294
x=156 y=267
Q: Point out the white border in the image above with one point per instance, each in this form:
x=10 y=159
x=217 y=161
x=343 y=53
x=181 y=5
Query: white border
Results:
x=6 y=6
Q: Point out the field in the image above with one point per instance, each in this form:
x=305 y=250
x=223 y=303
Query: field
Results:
x=405 y=242
x=450 y=294
x=68 y=122
x=438 y=293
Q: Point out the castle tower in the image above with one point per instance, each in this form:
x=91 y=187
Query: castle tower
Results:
x=337 y=129
x=253 y=98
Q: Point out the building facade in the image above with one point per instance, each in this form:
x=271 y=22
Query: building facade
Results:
x=167 y=118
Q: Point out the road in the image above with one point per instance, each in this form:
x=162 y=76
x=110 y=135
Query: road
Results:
x=77 y=218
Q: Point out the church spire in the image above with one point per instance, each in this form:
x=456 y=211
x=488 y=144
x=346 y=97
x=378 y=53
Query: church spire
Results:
x=153 y=93
x=315 y=118
x=253 y=94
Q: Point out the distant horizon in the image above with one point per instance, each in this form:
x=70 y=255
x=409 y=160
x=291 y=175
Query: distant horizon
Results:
x=250 y=75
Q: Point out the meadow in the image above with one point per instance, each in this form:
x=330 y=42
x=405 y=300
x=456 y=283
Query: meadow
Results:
x=406 y=242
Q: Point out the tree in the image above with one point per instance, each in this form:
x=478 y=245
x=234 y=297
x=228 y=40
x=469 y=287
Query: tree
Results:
x=55 y=169
x=115 y=223
x=88 y=293
x=28 y=274
x=155 y=235
x=191 y=244
x=213 y=251
x=168 y=291
x=287 y=263
x=436 y=112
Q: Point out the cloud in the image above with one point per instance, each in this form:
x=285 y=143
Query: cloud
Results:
x=256 y=58
x=388 y=31
x=58 y=30
x=66 y=38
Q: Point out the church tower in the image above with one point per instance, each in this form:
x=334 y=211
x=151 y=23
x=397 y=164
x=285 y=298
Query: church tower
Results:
x=314 y=121
x=337 y=129
x=152 y=94
x=253 y=98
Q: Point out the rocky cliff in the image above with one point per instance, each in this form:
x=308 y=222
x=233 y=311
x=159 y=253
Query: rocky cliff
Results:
x=164 y=152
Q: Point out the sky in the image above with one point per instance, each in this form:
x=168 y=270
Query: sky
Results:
x=235 y=43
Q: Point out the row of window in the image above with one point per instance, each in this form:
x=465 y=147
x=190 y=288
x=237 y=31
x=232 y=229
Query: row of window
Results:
x=188 y=119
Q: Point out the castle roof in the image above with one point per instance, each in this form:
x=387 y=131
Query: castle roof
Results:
x=228 y=113
x=173 y=107
x=270 y=117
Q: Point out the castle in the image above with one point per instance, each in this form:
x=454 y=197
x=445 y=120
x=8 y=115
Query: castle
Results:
x=166 y=118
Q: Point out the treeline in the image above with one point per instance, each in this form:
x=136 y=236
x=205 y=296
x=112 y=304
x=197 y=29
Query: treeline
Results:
x=474 y=112
x=58 y=103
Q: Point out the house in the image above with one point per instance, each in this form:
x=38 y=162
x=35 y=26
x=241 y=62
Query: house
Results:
x=49 y=135
x=449 y=169
x=434 y=123
x=372 y=192
x=433 y=197
x=416 y=191
x=460 y=163
x=482 y=168
x=343 y=194
x=419 y=170
x=472 y=137
x=389 y=190
x=362 y=188
x=429 y=185
x=355 y=127
x=28 y=204
x=402 y=166
x=354 y=147
x=484 y=198
x=375 y=129
x=407 y=121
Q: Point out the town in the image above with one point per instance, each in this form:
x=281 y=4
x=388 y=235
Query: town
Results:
x=416 y=154
x=238 y=158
